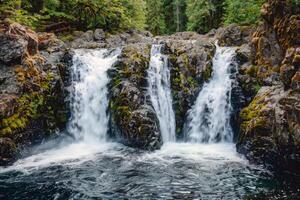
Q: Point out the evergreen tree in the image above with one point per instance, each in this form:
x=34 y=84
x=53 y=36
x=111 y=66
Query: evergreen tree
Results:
x=204 y=15
x=180 y=15
x=242 y=12
x=155 y=16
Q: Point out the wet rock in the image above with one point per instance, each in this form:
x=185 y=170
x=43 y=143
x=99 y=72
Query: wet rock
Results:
x=233 y=35
x=32 y=91
x=8 y=151
x=244 y=54
x=270 y=130
x=12 y=49
x=99 y=35
x=190 y=66
x=133 y=119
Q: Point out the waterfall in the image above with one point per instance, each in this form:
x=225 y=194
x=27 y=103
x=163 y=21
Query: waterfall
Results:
x=160 y=93
x=209 y=119
x=89 y=102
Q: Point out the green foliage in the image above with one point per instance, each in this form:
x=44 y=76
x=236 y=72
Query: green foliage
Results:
x=295 y=2
x=111 y=15
x=242 y=12
x=158 y=16
x=204 y=15
x=155 y=16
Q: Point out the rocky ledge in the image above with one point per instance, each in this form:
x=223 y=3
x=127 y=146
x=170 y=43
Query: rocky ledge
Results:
x=33 y=78
x=133 y=120
x=270 y=125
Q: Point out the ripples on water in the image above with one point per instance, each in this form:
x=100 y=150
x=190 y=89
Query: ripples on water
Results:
x=113 y=171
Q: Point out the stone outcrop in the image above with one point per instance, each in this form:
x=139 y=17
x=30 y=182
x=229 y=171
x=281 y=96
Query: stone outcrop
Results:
x=100 y=39
x=133 y=119
x=269 y=131
x=32 y=95
x=190 y=57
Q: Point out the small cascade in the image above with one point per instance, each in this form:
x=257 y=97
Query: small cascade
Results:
x=89 y=102
x=209 y=119
x=160 y=93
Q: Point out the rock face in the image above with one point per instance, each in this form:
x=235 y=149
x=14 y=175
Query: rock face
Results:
x=190 y=66
x=133 y=119
x=100 y=39
x=270 y=129
x=270 y=125
x=32 y=98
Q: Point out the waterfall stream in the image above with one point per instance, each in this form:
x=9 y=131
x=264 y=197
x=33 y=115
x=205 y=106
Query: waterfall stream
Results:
x=209 y=119
x=89 y=121
x=90 y=167
x=160 y=93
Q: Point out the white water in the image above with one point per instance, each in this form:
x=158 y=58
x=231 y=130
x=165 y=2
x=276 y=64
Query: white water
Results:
x=160 y=93
x=89 y=121
x=74 y=170
x=209 y=119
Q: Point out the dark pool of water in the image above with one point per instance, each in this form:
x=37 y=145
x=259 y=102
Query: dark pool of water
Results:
x=111 y=171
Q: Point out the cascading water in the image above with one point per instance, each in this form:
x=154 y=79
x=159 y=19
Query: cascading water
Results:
x=89 y=121
x=209 y=119
x=91 y=169
x=160 y=93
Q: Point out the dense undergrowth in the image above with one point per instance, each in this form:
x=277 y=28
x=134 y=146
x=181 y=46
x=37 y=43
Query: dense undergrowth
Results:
x=157 y=16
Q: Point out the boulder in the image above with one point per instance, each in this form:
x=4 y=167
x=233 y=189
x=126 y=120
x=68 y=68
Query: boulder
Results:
x=133 y=119
x=32 y=90
x=12 y=48
x=8 y=151
x=99 y=35
x=233 y=35
x=190 y=66
x=269 y=131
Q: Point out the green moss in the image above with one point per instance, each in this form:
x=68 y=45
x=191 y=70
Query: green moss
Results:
x=207 y=73
x=252 y=115
x=66 y=38
x=30 y=106
x=252 y=71
x=257 y=87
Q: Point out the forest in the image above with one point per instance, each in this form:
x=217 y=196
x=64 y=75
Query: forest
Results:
x=157 y=16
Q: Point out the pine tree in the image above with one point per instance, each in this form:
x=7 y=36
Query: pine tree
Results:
x=200 y=15
x=155 y=17
x=242 y=12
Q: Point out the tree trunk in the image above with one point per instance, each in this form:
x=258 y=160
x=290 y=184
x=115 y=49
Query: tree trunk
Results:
x=177 y=4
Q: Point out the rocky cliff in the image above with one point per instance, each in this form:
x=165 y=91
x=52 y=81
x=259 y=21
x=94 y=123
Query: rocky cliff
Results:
x=270 y=125
x=33 y=74
x=133 y=120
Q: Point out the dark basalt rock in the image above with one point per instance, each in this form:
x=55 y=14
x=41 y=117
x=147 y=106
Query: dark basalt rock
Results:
x=12 y=48
x=8 y=151
x=233 y=35
x=32 y=91
x=133 y=119
x=190 y=66
x=270 y=130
